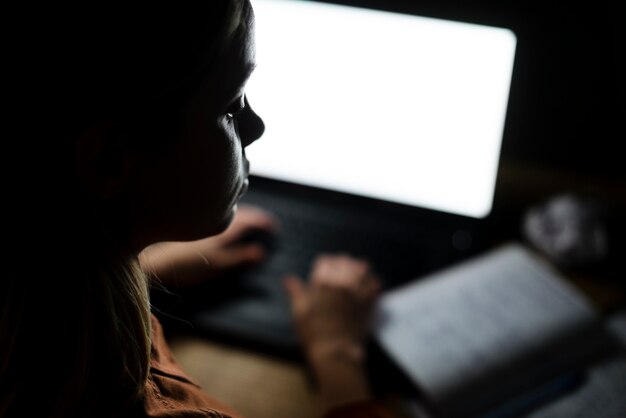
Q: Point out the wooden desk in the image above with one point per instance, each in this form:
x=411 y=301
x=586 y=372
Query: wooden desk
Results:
x=256 y=385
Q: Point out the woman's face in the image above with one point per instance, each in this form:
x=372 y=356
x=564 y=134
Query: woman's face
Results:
x=191 y=190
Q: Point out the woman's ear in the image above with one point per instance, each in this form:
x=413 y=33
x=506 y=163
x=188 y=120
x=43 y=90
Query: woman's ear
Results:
x=103 y=162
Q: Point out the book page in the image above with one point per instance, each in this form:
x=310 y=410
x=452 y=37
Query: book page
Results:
x=452 y=331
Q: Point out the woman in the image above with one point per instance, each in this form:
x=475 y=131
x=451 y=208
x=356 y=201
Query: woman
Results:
x=132 y=130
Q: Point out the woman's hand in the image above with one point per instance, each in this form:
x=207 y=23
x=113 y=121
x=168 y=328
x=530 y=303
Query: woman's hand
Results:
x=332 y=317
x=335 y=305
x=185 y=264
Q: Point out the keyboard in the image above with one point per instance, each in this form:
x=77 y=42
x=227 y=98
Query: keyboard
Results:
x=397 y=252
x=252 y=308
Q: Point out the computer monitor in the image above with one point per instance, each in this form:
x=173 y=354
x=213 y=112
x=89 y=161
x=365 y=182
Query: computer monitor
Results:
x=366 y=92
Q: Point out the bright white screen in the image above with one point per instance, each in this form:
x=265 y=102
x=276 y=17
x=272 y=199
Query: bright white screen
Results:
x=392 y=106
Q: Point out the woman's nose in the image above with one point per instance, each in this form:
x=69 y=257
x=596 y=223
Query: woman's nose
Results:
x=251 y=126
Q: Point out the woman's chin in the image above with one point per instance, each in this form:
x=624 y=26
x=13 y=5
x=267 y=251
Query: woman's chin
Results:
x=226 y=220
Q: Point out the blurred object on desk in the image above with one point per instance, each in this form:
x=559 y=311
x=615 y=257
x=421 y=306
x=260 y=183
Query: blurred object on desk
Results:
x=579 y=234
x=570 y=230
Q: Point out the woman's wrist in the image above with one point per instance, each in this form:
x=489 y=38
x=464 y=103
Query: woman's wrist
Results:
x=339 y=368
x=344 y=350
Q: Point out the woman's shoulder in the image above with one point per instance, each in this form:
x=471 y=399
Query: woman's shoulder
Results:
x=169 y=392
x=168 y=396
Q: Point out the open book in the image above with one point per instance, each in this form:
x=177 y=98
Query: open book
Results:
x=490 y=334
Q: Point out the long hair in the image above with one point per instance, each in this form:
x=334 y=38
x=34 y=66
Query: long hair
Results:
x=74 y=305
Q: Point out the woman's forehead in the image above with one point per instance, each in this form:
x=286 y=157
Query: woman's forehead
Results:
x=233 y=68
x=242 y=55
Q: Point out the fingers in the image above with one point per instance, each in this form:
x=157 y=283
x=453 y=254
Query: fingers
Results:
x=345 y=272
x=336 y=303
x=256 y=216
x=296 y=291
x=237 y=256
x=246 y=219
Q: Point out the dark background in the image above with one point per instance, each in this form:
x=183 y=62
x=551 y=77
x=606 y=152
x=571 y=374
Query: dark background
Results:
x=567 y=105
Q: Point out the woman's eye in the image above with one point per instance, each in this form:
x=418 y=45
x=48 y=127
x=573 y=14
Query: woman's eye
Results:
x=236 y=108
